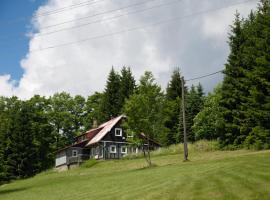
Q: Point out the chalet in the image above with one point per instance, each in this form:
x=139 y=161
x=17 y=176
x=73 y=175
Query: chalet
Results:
x=107 y=141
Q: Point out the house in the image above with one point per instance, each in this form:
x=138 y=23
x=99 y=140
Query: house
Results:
x=107 y=141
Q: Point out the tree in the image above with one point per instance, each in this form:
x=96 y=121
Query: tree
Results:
x=61 y=118
x=43 y=133
x=173 y=108
x=145 y=112
x=233 y=88
x=127 y=84
x=245 y=92
x=111 y=104
x=174 y=88
x=20 y=150
x=93 y=110
x=193 y=107
x=207 y=121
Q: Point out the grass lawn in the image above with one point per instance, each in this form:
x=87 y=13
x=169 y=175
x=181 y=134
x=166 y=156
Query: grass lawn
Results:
x=238 y=174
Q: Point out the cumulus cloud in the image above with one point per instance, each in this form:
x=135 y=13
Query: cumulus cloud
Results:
x=196 y=44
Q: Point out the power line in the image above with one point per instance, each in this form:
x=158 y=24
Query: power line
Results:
x=66 y=8
x=107 y=19
x=138 y=28
x=73 y=6
x=200 y=77
x=98 y=14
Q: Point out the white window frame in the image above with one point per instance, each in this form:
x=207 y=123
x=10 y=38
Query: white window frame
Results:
x=115 y=132
x=111 y=146
x=73 y=151
x=123 y=152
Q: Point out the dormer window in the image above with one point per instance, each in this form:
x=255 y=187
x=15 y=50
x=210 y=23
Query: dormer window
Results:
x=118 y=132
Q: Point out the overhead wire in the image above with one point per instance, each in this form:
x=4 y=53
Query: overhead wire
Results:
x=98 y=14
x=107 y=19
x=204 y=76
x=139 y=28
x=59 y=10
x=70 y=7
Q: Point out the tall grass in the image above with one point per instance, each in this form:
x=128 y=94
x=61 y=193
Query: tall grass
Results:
x=199 y=146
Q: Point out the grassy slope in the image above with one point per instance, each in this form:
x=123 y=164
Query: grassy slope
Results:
x=210 y=175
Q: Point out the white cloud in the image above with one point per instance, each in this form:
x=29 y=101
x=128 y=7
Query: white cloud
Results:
x=6 y=85
x=82 y=68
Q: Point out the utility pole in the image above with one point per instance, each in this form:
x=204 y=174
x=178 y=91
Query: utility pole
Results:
x=184 y=120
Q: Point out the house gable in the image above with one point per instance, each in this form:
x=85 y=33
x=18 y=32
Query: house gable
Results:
x=112 y=136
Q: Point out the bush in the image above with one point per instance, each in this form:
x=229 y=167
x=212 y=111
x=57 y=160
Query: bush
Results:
x=259 y=138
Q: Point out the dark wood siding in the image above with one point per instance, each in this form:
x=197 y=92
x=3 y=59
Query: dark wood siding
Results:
x=111 y=135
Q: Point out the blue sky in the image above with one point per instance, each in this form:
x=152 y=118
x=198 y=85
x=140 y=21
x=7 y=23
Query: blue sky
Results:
x=15 y=16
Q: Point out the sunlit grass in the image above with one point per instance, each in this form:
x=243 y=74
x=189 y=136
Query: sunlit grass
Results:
x=210 y=174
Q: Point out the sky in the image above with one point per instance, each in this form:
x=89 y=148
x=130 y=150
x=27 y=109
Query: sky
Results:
x=50 y=46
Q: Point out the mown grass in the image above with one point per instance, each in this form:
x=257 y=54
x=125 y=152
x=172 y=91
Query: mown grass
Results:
x=210 y=174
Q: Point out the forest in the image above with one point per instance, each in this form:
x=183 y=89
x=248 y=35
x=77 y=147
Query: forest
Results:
x=236 y=113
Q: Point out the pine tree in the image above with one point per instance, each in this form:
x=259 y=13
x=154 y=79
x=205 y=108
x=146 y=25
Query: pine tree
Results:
x=173 y=111
x=232 y=89
x=245 y=92
x=111 y=105
x=127 y=84
x=256 y=55
x=174 y=88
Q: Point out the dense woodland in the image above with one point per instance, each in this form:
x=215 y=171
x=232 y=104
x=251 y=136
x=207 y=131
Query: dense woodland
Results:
x=236 y=113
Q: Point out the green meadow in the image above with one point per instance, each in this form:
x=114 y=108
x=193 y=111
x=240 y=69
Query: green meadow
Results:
x=210 y=174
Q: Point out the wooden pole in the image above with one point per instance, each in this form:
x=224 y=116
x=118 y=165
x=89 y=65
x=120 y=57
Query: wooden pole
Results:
x=184 y=120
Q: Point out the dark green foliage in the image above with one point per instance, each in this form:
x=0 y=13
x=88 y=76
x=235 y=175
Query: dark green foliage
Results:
x=174 y=88
x=207 y=121
x=145 y=109
x=93 y=110
x=118 y=89
x=194 y=104
x=173 y=108
x=111 y=105
x=127 y=84
x=246 y=87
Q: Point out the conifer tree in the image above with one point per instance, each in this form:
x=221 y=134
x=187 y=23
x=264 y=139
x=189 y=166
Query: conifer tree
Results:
x=111 y=105
x=127 y=84
x=173 y=96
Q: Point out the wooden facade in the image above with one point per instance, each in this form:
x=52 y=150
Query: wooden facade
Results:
x=108 y=141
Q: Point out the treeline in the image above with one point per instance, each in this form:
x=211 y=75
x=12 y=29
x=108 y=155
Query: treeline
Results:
x=237 y=113
x=32 y=130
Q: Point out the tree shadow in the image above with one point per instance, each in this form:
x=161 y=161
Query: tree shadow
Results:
x=7 y=191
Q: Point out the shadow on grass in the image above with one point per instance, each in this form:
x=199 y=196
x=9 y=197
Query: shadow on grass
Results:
x=7 y=191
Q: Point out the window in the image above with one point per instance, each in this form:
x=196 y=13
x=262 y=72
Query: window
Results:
x=112 y=149
x=74 y=153
x=118 y=132
x=124 y=149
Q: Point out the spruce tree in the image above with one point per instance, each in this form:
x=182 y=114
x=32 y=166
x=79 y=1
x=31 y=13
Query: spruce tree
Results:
x=233 y=90
x=127 y=84
x=173 y=96
x=111 y=105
